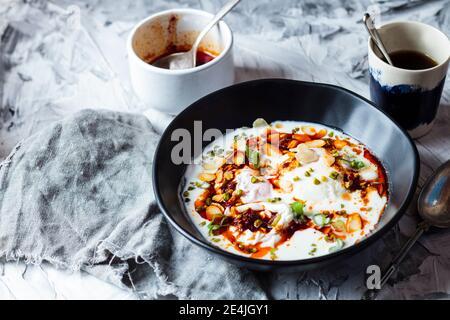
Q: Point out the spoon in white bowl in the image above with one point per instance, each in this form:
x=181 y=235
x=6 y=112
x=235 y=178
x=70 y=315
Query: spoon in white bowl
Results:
x=434 y=208
x=370 y=27
x=188 y=59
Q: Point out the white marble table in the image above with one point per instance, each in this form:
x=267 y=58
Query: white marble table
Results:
x=61 y=56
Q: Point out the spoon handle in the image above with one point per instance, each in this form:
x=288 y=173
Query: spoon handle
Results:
x=219 y=15
x=393 y=267
x=368 y=23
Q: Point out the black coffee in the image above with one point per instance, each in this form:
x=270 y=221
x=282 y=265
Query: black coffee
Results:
x=412 y=60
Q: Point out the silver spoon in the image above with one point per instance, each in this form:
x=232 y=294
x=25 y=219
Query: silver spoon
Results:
x=373 y=32
x=434 y=208
x=186 y=60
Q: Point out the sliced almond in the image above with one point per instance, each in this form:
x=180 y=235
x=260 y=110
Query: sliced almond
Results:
x=228 y=175
x=322 y=133
x=305 y=155
x=301 y=137
x=219 y=176
x=329 y=159
x=339 y=144
x=213 y=211
x=309 y=130
x=214 y=164
x=354 y=223
x=286 y=186
x=292 y=144
x=315 y=143
x=271 y=150
x=207 y=177
x=239 y=158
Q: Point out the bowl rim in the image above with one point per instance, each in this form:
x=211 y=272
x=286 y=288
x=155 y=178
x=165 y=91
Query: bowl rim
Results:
x=299 y=262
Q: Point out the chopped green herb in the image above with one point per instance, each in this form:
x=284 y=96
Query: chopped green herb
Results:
x=311 y=170
x=339 y=245
x=239 y=192
x=208 y=201
x=213 y=227
x=355 y=164
x=316 y=181
x=342 y=206
x=186 y=194
x=339 y=225
x=334 y=175
x=257 y=223
x=255 y=179
x=298 y=209
x=191 y=188
x=273 y=200
x=296 y=178
x=313 y=251
x=331 y=134
x=273 y=255
x=321 y=220
x=202 y=224
x=226 y=196
x=215 y=239
x=324 y=179
x=307 y=174
x=187 y=200
x=276 y=220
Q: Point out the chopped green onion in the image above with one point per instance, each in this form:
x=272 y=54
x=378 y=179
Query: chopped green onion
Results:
x=321 y=220
x=201 y=224
x=273 y=255
x=226 y=196
x=253 y=157
x=276 y=220
x=255 y=180
x=312 y=252
x=324 y=179
x=331 y=134
x=334 y=175
x=239 y=192
x=339 y=225
x=298 y=209
x=355 y=164
x=307 y=174
x=316 y=181
x=339 y=245
x=296 y=178
x=257 y=223
x=186 y=194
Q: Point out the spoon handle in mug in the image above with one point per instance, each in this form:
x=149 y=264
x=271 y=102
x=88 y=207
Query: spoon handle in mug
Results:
x=219 y=15
x=393 y=267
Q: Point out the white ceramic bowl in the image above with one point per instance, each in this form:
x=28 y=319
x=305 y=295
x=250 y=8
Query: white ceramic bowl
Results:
x=173 y=90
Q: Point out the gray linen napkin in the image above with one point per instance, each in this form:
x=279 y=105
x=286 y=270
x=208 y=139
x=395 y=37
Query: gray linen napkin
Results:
x=79 y=195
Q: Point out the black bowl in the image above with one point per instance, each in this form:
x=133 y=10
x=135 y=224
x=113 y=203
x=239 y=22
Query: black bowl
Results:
x=277 y=99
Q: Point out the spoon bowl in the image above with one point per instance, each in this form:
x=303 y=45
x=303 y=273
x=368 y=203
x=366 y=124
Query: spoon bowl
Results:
x=434 y=208
x=434 y=200
x=188 y=59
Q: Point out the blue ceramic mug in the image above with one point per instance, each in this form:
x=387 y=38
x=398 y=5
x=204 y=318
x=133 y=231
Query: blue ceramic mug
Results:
x=411 y=97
